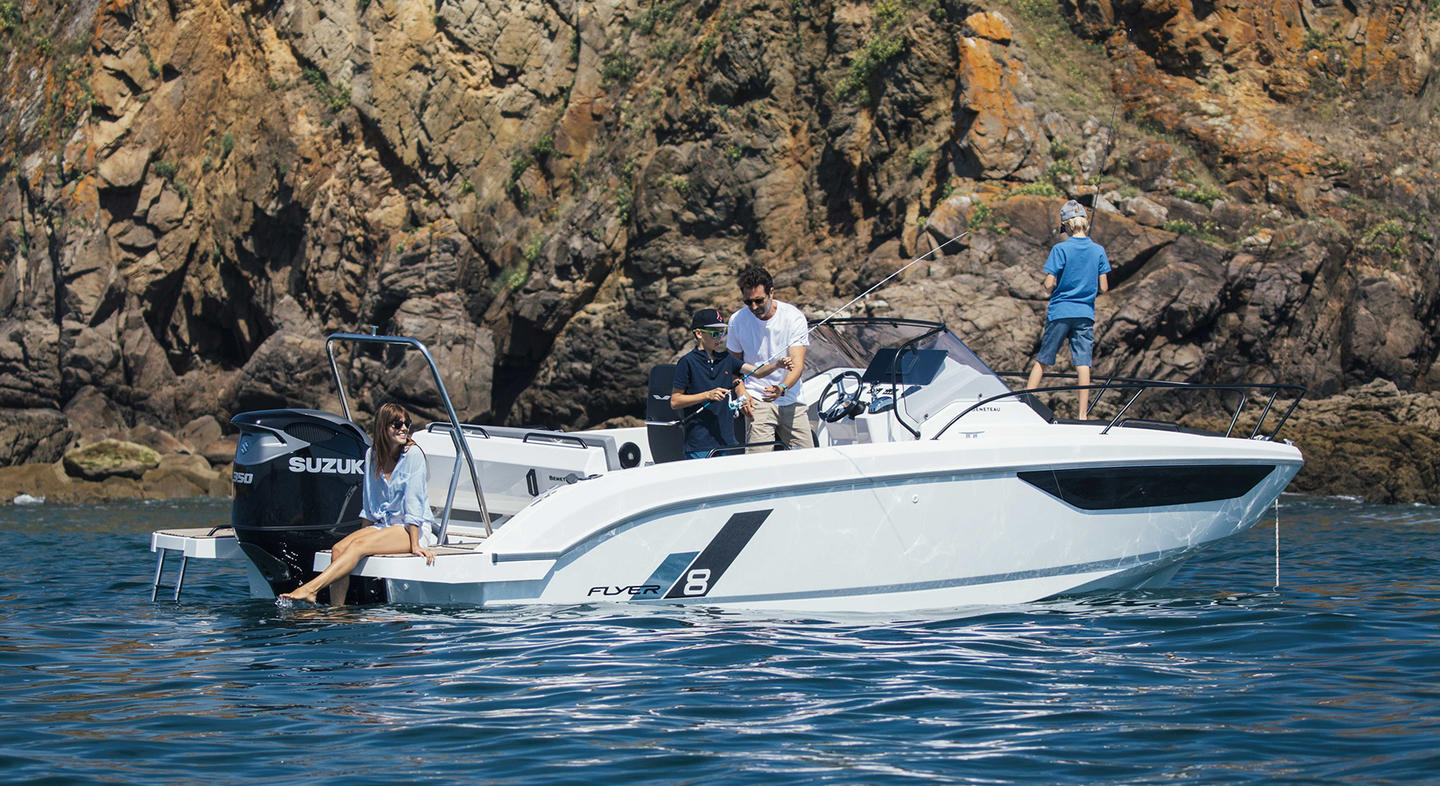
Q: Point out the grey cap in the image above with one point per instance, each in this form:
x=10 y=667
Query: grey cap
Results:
x=1071 y=209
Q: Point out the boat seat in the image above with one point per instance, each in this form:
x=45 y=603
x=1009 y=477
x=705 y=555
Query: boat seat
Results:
x=667 y=441
x=662 y=424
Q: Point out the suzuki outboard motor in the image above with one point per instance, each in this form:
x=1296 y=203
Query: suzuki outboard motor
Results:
x=298 y=483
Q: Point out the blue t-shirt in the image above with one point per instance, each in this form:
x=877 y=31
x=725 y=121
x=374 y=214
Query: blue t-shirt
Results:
x=713 y=426
x=1077 y=264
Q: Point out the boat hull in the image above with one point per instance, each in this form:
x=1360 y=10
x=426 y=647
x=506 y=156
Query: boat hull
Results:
x=861 y=528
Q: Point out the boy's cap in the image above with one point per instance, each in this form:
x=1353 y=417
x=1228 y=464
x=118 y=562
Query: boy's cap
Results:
x=1071 y=209
x=707 y=318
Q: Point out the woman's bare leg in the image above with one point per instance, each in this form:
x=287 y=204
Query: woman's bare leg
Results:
x=338 y=589
x=358 y=545
x=341 y=585
x=308 y=590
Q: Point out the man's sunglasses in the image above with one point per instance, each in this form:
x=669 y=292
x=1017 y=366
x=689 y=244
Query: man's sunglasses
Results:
x=713 y=332
x=399 y=424
x=754 y=301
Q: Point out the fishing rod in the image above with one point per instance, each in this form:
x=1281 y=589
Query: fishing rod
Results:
x=867 y=292
x=1110 y=137
x=735 y=405
x=1105 y=156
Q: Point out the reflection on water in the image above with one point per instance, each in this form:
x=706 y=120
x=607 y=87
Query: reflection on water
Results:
x=1221 y=677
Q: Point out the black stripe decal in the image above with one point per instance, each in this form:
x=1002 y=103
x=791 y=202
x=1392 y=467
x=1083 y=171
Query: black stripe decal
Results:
x=716 y=558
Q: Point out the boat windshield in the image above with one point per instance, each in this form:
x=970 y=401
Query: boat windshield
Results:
x=926 y=365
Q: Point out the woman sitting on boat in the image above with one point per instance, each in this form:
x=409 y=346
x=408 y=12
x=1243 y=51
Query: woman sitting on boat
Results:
x=396 y=507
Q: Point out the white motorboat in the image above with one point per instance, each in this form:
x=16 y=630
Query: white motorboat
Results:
x=933 y=485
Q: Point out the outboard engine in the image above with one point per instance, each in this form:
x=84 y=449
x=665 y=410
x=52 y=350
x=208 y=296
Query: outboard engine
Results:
x=298 y=484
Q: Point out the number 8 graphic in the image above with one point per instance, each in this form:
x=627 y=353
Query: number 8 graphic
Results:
x=697 y=582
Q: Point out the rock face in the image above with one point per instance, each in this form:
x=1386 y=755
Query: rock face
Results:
x=1373 y=442
x=193 y=194
x=110 y=458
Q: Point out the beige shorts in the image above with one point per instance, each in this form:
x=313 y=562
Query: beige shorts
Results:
x=789 y=423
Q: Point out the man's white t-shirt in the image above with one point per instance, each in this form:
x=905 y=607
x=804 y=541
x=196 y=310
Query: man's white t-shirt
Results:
x=763 y=340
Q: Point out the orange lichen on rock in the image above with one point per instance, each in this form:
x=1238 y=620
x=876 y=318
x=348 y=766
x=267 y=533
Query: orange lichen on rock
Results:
x=989 y=25
x=1002 y=133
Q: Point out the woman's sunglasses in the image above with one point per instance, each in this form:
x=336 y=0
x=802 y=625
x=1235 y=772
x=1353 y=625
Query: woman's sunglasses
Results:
x=399 y=424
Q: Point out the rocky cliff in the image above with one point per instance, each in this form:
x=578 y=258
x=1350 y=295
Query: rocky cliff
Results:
x=194 y=192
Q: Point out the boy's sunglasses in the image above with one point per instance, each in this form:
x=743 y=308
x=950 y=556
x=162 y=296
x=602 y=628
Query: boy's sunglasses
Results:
x=713 y=332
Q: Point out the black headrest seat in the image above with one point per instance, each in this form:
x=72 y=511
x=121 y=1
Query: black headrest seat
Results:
x=657 y=400
x=662 y=424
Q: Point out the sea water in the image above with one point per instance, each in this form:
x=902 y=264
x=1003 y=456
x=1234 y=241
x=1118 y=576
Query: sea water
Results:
x=1332 y=676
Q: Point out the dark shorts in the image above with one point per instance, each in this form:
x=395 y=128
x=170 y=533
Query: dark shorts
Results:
x=1080 y=331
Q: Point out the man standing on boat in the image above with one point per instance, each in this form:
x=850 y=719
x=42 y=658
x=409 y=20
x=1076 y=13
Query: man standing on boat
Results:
x=770 y=336
x=1075 y=272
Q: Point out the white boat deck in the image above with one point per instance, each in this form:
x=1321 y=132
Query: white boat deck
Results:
x=197 y=542
x=455 y=563
x=191 y=543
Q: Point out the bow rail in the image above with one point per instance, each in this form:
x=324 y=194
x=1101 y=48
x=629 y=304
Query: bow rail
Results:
x=1140 y=386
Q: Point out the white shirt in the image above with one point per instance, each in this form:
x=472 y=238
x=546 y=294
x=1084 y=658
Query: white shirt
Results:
x=761 y=341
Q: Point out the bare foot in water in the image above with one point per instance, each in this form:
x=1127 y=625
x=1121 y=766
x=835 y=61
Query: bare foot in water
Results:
x=307 y=597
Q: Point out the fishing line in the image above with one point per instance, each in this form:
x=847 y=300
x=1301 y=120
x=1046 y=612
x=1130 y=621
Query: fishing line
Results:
x=1277 y=544
x=867 y=292
x=1105 y=156
x=856 y=299
x=1110 y=137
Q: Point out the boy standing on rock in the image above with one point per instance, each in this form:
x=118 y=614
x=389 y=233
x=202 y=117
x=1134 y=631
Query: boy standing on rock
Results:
x=1074 y=273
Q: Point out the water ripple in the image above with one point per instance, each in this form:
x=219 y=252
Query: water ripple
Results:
x=1223 y=678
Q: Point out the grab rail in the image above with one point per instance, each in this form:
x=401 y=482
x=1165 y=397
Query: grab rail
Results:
x=555 y=439
x=468 y=428
x=456 y=431
x=1142 y=385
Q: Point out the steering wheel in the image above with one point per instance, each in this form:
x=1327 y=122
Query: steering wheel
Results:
x=847 y=403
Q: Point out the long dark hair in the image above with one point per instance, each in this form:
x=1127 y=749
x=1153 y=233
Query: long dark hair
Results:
x=385 y=456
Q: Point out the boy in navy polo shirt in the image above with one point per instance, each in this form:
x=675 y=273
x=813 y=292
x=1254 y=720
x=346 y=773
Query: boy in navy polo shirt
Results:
x=706 y=379
x=1074 y=274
